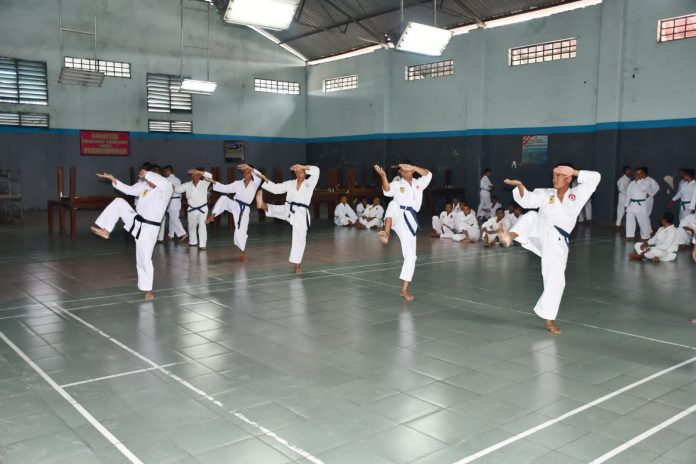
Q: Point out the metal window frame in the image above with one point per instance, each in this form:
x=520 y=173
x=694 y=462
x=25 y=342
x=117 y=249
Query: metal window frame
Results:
x=170 y=123
x=537 y=53
x=687 y=28
x=418 y=72
x=26 y=81
x=21 y=116
x=169 y=101
x=107 y=67
x=340 y=84
x=277 y=87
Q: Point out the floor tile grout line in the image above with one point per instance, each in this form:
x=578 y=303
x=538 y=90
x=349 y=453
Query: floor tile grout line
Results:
x=305 y=454
x=647 y=434
x=571 y=413
x=77 y=406
x=121 y=374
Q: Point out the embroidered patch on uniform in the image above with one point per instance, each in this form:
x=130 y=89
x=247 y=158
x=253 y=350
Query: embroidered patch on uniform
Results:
x=572 y=196
x=144 y=193
x=417 y=187
x=402 y=190
x=552 y=200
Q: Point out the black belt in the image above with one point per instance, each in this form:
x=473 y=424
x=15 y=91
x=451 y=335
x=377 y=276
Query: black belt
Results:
x=142 y=220
x=242 y=206
x=198 y=208
x=294 y=205
x=564 y=234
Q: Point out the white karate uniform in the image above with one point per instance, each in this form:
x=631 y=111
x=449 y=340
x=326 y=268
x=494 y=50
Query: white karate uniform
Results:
x=586 y=211
x=444 y=224
x=637 y=210
x=511 y=220
x=466 y=226
x=142 y=223
x=484 y=208
x=495 y=207
x=403 y=210
x=197 y=197
x=664 y=245
x=546 y=232
x=684 y=197
x=240 y=206
x=652 y=187
x=173 y=211
x=374 y=215
x=684 y=232
x=491 y=224
x=295 y=210
x=360 y=209
x=622 y=186
x=344 y=215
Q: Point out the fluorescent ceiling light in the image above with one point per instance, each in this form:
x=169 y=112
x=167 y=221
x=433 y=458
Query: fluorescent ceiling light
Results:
x=425 y=40
x=269 y=14
x=80 y=77
x=199 y=87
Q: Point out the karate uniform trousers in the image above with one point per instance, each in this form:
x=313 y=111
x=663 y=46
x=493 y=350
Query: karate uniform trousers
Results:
x=653 y=252
x=300 y=222
x=240 y=215
x=638 y=213
x=407 y=237
x=620 y=208
x=485 y=205
x=685 y=236
x=197 y=229
x=145 y=236
x=443 y=227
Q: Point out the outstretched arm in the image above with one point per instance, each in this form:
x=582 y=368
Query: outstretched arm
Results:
x=383 y=179
x=132 y=190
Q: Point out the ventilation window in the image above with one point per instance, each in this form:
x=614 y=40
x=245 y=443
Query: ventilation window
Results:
x=271 y=86
x=428 y=70
x=539 y=53
x=338 y=84
x=23 y=82
x=679 y=28
x=24 y=119
x=164 y=95
x=108 y=68
x=180 y=127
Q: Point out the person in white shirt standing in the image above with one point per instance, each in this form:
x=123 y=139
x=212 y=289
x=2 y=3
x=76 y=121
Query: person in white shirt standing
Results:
x=196 y=191
x=663 y=246
x=142 y=223
x=176 y=229
x=296 y=208
x=685 y=194
x=443 y=225
x=343 y=214
x=485 y=187
x=373 y=215
x=244 y=191
x=651 y=189
x=636 y=207
x=622 y=186
x=547 y=233
x=402 y=215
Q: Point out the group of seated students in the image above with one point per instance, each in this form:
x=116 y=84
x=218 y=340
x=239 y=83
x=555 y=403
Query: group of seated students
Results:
x=458 y=222
x=365 y=216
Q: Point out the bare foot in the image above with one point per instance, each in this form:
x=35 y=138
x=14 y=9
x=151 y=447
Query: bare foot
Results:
x=149 y=295
x=260 y=204
x=298 y=269
x=202 y=248
x=407 y=296
x=551 y=327
x=183 y=238
x=168 y=238
x=635 y=256
x=242 y=257
x=504 y=235
x=383 y=237
x=656 y=260
x=210 y=219
x=693 y=321
x=103 y=233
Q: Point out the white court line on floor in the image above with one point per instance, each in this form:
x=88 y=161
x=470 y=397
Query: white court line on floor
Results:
x=648 y=433
x=80 y=409
x=308 y=456
x=571 y=413
x=120 y=374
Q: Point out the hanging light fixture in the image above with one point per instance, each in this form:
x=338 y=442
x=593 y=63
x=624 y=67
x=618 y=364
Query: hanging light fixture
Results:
x=425 y=40
x=80 y=77
x=194 y=86
x=268 y=14
x=198 y=87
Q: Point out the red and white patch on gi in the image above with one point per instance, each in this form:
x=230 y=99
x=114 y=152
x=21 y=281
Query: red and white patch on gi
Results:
x=572 y=197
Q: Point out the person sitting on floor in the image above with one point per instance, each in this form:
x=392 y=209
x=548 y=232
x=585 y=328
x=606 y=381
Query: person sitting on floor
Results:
x=373 y=215
x=344 y=214
x=360 y=207
x=490 y=228
x=466 y=225
x=663 y=246
x=496 y=204
x=443 y=225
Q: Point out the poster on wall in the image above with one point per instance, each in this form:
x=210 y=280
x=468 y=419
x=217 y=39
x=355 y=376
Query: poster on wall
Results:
x=104 y=143
x=535 y=149
x=235 y=151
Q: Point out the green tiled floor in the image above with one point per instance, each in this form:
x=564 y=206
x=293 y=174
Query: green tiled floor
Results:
x=333 y=366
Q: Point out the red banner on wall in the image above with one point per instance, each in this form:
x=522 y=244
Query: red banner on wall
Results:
x=104 y=143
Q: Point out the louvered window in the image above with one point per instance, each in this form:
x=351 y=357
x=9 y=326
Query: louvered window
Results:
x=182 y=127
x=164 y=95
x=24 y=119
x=23 y=82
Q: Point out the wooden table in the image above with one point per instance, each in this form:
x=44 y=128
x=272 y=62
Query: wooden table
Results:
x=72 y=204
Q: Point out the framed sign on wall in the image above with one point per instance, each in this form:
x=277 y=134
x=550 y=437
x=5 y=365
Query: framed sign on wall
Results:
x=104 y=143
x=235 y=151
x=535 y=149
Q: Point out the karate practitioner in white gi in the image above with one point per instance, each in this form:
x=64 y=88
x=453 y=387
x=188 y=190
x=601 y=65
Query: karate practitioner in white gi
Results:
x=373 y=216
x=663 y=246
x=361 y=206
x=622 y=186
x=485 y=187
x=443 y=225
x=547 y=232
x=491 y=227
x=651 y=189
x=244 y=191
x=466 y=226
x=142 y=223
x=637 y=208
x=685 y=194
x=296 y=208
x=402 y=215
x=196 y=191
x=344 y=214
x=173 y=210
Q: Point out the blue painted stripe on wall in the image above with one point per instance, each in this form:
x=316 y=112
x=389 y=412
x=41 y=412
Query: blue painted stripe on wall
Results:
x=602 y=126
